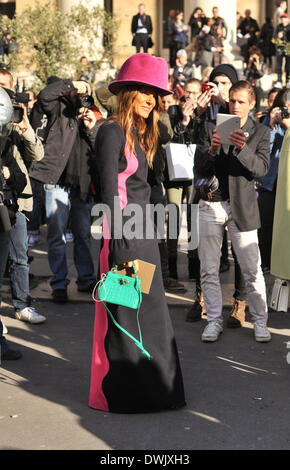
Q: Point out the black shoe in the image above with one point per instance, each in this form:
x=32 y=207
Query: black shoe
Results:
x=89 y=288
x=59 y=295
x=172 y=285
x=11 y=355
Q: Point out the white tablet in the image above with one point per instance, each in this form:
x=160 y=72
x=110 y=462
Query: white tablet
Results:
x=227 y=123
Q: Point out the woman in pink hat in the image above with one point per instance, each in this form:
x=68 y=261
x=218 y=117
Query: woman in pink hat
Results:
x=123 y=380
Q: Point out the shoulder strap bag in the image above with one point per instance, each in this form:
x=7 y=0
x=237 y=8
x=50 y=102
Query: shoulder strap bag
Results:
x=116 y=288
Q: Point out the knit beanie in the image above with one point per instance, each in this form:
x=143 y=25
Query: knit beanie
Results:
x=224 y=69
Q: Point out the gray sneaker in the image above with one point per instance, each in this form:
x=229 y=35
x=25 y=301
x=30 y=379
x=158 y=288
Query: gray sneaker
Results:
x=212 y=331
x=261 y=332
x=30 y=315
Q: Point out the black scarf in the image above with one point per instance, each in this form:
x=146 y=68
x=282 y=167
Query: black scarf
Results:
x=143 y=19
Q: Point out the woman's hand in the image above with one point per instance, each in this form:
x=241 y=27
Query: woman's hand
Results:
x=130 y=264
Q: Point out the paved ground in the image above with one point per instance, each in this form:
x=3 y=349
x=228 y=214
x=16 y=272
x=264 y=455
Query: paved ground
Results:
x=237 y=390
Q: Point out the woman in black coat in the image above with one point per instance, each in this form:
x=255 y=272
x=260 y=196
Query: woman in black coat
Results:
x=122 y=379
x=265 y=43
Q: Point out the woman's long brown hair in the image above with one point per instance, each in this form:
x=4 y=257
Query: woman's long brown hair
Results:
x=146 y=129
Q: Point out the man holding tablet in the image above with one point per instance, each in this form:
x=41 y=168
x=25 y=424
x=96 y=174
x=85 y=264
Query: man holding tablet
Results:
x=233 y=204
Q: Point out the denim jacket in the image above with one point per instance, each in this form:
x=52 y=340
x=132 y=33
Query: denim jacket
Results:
x=276 y=140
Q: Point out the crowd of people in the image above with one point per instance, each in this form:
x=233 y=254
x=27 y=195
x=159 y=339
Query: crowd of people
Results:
x=202 y=42
x=61 y=154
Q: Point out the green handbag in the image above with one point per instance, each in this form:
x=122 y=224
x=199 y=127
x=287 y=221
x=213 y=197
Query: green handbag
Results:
x=119 y=289
x=116 y=288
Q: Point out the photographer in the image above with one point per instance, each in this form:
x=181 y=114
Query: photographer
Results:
x=282 y=36
x=65 y=172
x=254 y=71
x=12 y=183
x=196 y=21
x=278 y=121
x=25 y=147
x=203 y=102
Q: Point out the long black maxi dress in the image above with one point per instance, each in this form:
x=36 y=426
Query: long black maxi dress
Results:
x=123 y=380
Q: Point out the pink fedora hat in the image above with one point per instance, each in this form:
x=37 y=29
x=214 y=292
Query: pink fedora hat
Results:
x=143 y=69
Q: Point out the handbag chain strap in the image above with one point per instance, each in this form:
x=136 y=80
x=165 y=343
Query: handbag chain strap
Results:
x=139 y=343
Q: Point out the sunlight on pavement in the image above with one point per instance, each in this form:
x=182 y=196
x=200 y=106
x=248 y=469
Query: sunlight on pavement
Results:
x=38 y=252
x=241 y=364
x=37 y=347
x=204 y=416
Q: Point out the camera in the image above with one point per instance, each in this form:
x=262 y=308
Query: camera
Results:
x=205 y=87
x=17 y=98
x=284 y=112
x=84 y=101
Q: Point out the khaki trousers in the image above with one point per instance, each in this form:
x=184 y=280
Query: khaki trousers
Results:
x=213 y=218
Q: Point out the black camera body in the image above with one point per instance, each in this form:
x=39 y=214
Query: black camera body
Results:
x=284 y=112
x=17 y=98
x=84 y=101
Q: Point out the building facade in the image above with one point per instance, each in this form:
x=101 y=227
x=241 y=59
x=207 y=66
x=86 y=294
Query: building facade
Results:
x=158 y=10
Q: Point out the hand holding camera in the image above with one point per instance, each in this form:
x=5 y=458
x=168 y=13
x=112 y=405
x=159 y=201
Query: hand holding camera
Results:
x=204 y=99
x=83 y=88
x=187 y=111
x=24 y=124
x=280 y=115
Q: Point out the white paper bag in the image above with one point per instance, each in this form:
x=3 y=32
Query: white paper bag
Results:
x=280 y=296
x=180 y=160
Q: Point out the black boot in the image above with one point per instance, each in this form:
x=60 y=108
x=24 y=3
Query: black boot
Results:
x=197 y=310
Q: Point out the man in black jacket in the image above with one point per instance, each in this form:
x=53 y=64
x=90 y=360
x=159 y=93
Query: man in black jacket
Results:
x=65 y=172
x=282 y=33
x=141 y=28
x=234 y=205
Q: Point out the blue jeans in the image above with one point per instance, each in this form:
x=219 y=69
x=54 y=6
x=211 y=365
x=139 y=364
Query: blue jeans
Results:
x=18 y=263
x=60 y=203
x=4 y=246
